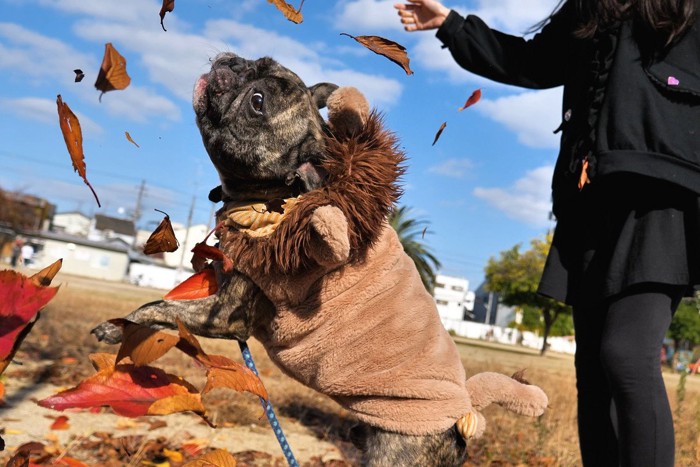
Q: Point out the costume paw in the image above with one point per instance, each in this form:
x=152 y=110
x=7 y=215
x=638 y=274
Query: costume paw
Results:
x=108 y=333
x=330 y=236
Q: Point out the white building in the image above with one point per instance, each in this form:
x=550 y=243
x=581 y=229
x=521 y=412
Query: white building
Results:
x=453 y=298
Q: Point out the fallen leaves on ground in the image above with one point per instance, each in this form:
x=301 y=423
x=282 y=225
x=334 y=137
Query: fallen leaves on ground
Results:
x=73 y=136
x=385 y=47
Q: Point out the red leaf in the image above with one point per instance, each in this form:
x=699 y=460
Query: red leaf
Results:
x=61 y=423
x=20 y=300
x=167 y=7
x=202 y=252
x=131 y=391
x=199 y=285
x=473 y=99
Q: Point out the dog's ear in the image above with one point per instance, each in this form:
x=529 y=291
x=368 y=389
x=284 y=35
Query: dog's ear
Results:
x=320 y=93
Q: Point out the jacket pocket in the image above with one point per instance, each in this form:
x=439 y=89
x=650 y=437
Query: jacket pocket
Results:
x=679 y=70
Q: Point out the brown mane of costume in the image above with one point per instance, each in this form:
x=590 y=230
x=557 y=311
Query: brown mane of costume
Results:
x=363 y=172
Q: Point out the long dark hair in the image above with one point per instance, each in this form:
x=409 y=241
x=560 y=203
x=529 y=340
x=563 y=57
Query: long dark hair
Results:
x=666 y=19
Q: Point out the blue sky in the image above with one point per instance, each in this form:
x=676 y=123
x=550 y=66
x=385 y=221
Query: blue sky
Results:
x=483 y=187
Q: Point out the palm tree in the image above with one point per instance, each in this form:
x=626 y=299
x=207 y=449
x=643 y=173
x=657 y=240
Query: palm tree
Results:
x=411 y=232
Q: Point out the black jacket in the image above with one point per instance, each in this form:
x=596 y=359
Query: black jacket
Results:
x=628 y=107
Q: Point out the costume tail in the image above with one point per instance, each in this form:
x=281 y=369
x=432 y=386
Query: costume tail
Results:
x=512 y=393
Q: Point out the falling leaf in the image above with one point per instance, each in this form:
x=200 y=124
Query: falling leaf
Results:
x=473 y=99
x=439 y=132
x=583 y=179
x=20 y=301
x=389 y=49
x=112 y=75
x=202 y=252
x=162 y=239
x=289 y=12
x=79 y=75
x=142 y=344
x=73 y=136
x=221 y=371
x=424 y=231
x=219 y=458
x=129 y=390
x=61 y=423
x=168 y=7
x=128 y=138
x=199 y=285
x=44 y=277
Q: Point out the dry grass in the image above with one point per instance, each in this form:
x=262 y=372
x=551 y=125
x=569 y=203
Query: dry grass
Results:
x=63 y=331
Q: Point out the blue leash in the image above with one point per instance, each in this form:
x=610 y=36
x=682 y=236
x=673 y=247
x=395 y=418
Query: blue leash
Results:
x=271 y=417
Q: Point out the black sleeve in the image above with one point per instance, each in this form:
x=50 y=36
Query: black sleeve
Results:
x=537 y=63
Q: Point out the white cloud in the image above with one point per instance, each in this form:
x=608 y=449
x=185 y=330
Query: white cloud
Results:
x=367 y=15
x=453 y=168
x=527 y=200
x=532 y=115
x=45 y=111
x=138 y=104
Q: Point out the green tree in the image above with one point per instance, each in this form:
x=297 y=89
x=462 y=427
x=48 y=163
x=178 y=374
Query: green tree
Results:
x=515 y=275
x=411 y=232
x=685 y=326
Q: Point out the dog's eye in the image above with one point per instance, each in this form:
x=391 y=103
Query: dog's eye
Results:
x=257 y=101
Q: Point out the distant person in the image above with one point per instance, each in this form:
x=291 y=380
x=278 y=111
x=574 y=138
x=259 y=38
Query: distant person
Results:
x=625 y=189
x=27 y=254
x=16 y=255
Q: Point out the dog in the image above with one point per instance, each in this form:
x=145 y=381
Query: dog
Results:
x=328 y=290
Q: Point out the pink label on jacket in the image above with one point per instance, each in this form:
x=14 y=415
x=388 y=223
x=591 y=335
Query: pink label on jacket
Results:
x=673 y=81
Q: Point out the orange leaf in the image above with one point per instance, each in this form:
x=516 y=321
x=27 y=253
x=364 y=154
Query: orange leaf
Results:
x=129 y=390
x=142 y=344
x=167 y=7
x=385 y=47
x=45 y=276
x=219 y=458
x=221 y=371
x=199 y=285
x=583 y=178
x=473 y=99
x=61 y=423
x=69 y=461
x=439 y=132
x=129 y=139
x=112 y=75
x=20 y=301
x=162 y=239
x=288 y=10
x=73 y=136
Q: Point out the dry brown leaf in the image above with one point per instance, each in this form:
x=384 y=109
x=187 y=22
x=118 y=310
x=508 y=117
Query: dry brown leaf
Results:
x=112 y=75
x=168 y=7
x=389 y=49
x=73 y=136
x=44 y=277
x=289 y=12
x=439 y=132
x=79 y=75
x=219 y=458
x=162 y=239
x=129 y=139
x=142 y=344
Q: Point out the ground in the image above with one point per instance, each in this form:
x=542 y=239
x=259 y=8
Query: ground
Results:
x=54 y=357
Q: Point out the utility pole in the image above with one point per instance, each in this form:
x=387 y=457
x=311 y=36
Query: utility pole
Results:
x=187 y=235
x=136 y=215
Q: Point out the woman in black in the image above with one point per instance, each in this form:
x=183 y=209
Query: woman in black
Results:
x=625 y=193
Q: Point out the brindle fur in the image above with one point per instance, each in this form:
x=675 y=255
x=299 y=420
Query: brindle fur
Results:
x=266 y=158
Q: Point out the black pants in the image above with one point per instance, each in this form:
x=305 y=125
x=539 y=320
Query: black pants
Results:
x=618 y=375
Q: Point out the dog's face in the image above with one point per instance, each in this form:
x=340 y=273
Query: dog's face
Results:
x=261 y=127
